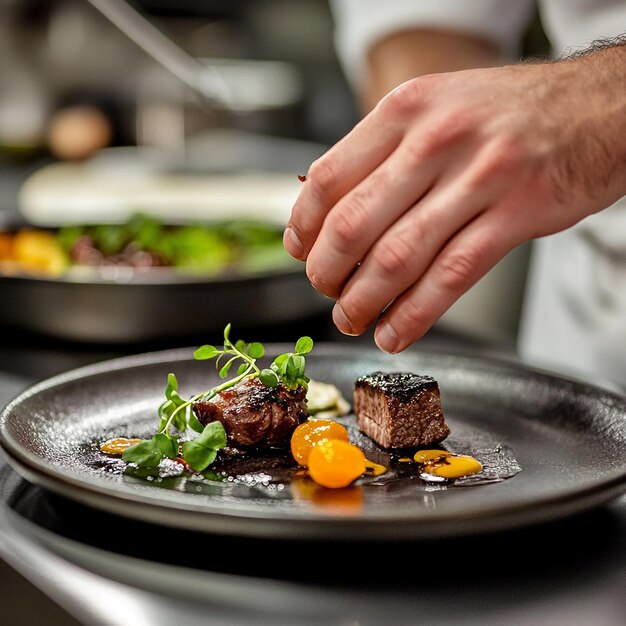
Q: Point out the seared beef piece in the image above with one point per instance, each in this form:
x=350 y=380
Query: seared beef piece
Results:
x=399 y=410
x=253 y=414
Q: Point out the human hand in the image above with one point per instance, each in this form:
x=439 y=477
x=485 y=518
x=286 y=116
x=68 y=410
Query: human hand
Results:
x=447 y=175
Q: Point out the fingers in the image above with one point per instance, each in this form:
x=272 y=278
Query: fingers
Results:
x=362 y=216
x=403 y=253
x=341 y=236
x=460 y=264
x=374 y=225
x=395 y=247
x=340 y=169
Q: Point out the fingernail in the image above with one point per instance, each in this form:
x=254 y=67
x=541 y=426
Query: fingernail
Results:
x=292 y=243
x=341 y=321
x=386 y=338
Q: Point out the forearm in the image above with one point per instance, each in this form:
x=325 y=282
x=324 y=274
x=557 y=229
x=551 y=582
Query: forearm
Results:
x=408 y=54
x=597 y=119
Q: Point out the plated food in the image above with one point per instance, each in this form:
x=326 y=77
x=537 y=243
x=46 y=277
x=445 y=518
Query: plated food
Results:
x=400 y=409
x=257 y=410
x=567 y=438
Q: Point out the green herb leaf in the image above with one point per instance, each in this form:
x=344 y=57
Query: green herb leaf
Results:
x=304 y=345
x=146 y=453
x=213 y=436
x=198 y=456
x=281 y=360
x=269 y=378
x=194 y=423
x=167 y=444
x=166 y=409
x=205 y=352
x=202 y=451
x=169 y=389
x=180 y=421
x=255 y=350
x=292 y=370
x=223 y=373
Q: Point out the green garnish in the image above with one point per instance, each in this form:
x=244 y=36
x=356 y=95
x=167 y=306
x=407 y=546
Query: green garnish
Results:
x=177 y=416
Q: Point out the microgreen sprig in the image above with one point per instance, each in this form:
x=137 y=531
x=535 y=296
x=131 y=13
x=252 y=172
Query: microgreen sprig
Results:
x=177 y=416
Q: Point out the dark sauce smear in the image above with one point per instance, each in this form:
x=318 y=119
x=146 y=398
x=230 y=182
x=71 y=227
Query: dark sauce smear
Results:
x=271 y=473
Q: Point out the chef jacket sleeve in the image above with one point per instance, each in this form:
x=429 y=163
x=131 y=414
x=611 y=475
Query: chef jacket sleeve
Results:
x=574 y=24
x=360 y=23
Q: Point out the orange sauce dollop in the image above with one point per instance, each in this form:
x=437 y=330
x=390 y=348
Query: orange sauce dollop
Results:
x=117 y=445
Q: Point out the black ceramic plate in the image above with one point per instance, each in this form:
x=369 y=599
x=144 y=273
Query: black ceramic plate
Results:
x=551 y=447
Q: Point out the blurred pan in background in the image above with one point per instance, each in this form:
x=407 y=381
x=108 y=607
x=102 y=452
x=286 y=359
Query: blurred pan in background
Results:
x=117 y=302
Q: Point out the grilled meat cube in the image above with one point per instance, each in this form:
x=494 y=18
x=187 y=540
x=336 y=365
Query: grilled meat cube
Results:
x=399 y=410
x=255 y=415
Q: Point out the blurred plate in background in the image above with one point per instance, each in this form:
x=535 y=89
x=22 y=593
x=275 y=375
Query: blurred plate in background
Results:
x=122 y=181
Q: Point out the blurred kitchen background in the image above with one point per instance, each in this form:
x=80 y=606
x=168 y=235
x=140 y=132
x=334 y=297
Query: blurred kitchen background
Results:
x=74 y=88
x=58 y=55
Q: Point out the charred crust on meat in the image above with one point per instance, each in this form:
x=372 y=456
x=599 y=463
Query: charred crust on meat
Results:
x=399 y=409
x=259 y=395
x=402 y=385
x=255 y=415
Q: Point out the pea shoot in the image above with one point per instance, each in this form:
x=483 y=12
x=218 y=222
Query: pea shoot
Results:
x=176 y=414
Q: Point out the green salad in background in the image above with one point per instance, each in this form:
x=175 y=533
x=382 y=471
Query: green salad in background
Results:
x=213 y=248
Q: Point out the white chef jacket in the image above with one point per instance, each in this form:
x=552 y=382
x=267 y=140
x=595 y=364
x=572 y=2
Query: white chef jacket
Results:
x=574 y=314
